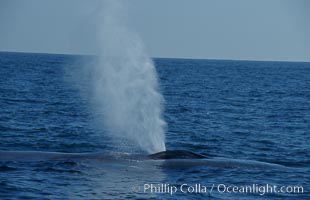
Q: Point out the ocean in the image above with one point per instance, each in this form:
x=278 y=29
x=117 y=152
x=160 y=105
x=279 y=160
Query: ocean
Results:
x=245 y=110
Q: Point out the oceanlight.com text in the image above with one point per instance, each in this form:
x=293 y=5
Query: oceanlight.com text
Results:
x=198 y=188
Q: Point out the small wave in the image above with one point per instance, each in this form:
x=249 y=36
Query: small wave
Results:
x=6 y=168
x=24 y=100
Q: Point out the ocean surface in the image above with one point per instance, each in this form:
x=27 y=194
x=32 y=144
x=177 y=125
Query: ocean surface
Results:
x=234 y=109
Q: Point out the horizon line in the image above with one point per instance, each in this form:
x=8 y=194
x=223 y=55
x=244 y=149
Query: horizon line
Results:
x=157 y=57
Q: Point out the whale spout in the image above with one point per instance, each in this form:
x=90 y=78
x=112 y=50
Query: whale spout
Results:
x=175 y=154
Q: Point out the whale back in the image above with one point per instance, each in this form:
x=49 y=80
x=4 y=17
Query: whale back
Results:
x=175 y=154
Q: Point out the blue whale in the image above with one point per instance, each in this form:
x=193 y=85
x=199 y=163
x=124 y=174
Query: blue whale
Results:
x=175 y=154
x=171 y=159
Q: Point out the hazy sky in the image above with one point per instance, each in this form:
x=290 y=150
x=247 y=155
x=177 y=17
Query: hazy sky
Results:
x=215 y=29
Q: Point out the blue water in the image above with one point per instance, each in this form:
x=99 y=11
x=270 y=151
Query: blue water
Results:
x=234 y=109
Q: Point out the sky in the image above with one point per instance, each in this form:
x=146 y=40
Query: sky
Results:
x=212 y=29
